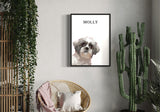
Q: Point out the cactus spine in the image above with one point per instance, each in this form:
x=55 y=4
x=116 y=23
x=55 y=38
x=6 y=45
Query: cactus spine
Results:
x=136 y=68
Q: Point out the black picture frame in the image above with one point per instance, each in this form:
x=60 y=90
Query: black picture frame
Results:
x=90 y=22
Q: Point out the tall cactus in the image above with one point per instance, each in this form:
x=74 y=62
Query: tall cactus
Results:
x=136 y=68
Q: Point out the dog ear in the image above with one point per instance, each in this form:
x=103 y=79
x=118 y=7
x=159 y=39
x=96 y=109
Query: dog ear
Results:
x=96 y=49
x=76 y=46
x=75 y=43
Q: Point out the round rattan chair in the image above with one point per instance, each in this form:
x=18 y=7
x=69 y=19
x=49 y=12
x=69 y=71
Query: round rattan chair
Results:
x=85 y=98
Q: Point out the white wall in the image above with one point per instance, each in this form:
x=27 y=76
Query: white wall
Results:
x=156 y=29
x=53 y=46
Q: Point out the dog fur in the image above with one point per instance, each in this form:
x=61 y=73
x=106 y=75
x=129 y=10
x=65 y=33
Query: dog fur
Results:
x=85 y=48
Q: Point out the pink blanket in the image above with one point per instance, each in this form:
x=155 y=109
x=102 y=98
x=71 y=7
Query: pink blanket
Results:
x=45 y=92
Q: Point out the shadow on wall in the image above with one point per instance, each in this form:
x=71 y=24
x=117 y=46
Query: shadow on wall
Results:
x=67 y=44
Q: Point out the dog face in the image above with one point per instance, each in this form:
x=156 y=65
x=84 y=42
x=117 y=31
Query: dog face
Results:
x=86 y=47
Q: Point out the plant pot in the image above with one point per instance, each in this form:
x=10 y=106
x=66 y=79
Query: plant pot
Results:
x=126 y=110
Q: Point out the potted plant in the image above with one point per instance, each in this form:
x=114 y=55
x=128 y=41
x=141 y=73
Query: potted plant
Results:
x=154 y=87
x=21 y=16
x=136 y=67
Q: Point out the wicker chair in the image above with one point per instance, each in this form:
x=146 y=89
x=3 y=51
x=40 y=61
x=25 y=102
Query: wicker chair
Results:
x=85 y=98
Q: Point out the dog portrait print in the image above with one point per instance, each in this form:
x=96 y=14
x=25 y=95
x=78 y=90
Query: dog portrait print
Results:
x=90 y=40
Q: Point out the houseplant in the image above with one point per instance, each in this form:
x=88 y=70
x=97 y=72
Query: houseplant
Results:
x=21 y=15
x=136 y=67
x=154 y=87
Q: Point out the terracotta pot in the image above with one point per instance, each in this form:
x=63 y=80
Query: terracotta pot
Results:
x=126 y=110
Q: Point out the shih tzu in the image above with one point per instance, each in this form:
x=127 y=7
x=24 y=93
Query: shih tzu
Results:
x=85 y=48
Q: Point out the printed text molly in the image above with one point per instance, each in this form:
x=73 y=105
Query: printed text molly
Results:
x=90 y=21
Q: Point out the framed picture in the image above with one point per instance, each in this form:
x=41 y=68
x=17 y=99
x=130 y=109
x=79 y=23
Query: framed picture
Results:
x=90 y=40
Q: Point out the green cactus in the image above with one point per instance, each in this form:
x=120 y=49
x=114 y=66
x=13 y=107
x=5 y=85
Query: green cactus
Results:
x=136 y=68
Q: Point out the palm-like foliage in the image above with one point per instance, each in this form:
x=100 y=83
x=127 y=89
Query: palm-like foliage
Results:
x=154 y=91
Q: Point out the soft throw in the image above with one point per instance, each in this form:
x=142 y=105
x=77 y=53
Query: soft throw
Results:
x=45 y=92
